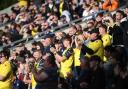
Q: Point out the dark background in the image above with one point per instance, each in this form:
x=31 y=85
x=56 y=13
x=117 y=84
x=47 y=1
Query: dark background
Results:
x=6 y=3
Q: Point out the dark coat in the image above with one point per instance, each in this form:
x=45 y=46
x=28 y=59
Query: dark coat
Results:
x=98 y=79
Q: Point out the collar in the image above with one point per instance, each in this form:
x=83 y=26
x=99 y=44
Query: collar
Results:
x=95 y=39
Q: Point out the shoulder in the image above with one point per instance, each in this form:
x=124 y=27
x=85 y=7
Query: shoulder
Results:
x=7 y=64
x=70 y=50
x=98 y=41
x=106 y=36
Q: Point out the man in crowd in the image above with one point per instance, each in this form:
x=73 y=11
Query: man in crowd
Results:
x=6 y=72
x=97 y=74
x=94 y=46
x=66 y=61
x=44 y=72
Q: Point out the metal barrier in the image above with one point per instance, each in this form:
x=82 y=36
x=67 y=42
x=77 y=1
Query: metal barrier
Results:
x=30 y=39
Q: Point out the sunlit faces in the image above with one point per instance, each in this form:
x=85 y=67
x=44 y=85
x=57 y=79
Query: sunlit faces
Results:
x=47 y=42
x=99 y=18
x=93 y=36
x=101 y=30
x=119 y=16
x=37 y=55
x=90 y=24
x=72 y=30
x=59 y=35
x=66 y=43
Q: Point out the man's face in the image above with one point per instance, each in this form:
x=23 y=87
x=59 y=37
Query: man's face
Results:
x=88 y=1
x=93 y=64
x=2 y=57
x=80 y=38
x=58 y=35
x=50 y=1
x=126 y=10
x=78 y=27
x=118 y=16
x=98 y=18
x=45 y=26
x=57 y=45
x=93 y=36
x=90 y=25
x=32 y=60
x=72 y=31
x=66 y=43
x=47 y=42
x=14 y=54
x=37 y=55
x=101 y=30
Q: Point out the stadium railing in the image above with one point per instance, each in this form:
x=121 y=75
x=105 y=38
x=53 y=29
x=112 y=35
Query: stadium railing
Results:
x=31 y=39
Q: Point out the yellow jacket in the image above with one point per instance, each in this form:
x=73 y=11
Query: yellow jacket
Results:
x=97 y=47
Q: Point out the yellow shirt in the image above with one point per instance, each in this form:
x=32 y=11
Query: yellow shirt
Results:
x=66 y=66
x=6 y=71
x=23 y=3
x=34 y=32
x=107 y=39
x=97 y=47
x=76 y=57
x=33 y=82
x=61 y=8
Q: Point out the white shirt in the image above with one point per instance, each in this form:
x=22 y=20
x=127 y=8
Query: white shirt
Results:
x=67 y=14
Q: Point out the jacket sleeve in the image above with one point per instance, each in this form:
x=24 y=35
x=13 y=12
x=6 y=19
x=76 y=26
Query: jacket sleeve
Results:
x=85 y=50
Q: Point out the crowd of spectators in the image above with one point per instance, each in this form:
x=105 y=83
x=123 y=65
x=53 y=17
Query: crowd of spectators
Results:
x=91 y=57
x=40 y=16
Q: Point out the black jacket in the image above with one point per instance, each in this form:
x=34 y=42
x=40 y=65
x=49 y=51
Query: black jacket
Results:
x=120 y=33
x=124 y=27
x=98 y=79
x=117 y=34
x=121 y=83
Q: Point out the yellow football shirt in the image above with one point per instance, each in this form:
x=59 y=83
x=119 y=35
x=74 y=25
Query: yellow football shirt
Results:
x=33 y=82
x=23 y=3
x=34 y=31
x=66 y=65
x=97 y=47
x=61 y=8
x=6 y=71
x=38 y=66
x=107 y=39
x=76 y=57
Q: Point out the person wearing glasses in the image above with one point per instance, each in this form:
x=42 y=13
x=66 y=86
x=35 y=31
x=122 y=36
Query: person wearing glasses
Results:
x=6 y=72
